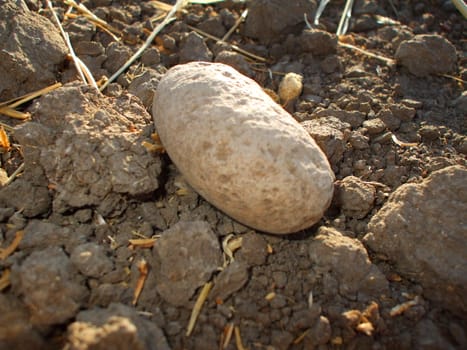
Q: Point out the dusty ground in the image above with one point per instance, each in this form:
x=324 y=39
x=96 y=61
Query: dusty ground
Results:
x=384 y=269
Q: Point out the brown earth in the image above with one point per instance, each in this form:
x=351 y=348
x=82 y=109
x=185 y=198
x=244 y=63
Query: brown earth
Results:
x=386 y=266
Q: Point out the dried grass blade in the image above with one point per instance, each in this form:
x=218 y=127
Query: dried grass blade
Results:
x=459 y=80
x=319 y=11
x=15 y=102
x=87 y=73
x=234 y=47
x=14 y=113
x=106 y=28
x=227 y=335
x=67 y=40
x=84 y=10
x=461 y=6
x=197 y=308
x=345 y=18
x=162 y=5
x=205 y=2
x=14 y=175
x=401 y=143
x=302 y=336
x=388 y=61
x=238 y=339
x=236 y=24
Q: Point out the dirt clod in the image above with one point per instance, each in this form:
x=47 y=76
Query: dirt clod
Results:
x=90 y=259
x=115 y=246
x=117 y=326
x=184 y=258
x=88 y=157
x=419 y=219
x=427 y=54
x=49 y=303
x=355 y=197
x=332 y=251
x=31 y=50
x=269 y=19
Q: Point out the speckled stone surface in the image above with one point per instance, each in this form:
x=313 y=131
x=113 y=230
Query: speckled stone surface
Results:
x=240 y=150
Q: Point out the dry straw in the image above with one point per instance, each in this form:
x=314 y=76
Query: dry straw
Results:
x=169 y=18
x=83 y=71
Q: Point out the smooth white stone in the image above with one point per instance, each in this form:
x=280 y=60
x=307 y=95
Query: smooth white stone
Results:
x=240 y=150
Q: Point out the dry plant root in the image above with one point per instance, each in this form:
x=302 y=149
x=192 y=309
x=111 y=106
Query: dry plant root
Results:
x=6 y=252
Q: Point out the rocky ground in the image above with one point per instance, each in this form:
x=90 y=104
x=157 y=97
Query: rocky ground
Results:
x=99 y=207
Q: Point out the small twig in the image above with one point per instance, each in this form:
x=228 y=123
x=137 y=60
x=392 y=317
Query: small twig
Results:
x=454 y=78
x=14 y=175
x=84 y=10
x=388 y=61
x=235 y=26
x=302 y=336
x=270 y=72
x=106 y=28
x=394 y=8
x=234 y=47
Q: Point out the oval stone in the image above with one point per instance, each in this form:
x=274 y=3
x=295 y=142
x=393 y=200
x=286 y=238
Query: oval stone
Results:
x=240 y=150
